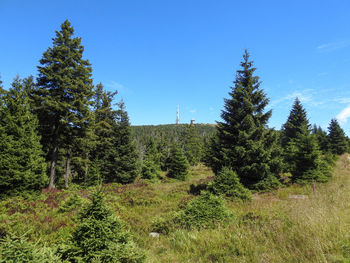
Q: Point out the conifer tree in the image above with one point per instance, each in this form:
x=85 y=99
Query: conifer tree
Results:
x=22 y=166
x=243 y=142
x=126 y=168
x=178 y=164
x=297 y=123
x=305 y=160
x=63 y=95
x=322 y=138
x=105 y=131
x=193 y=145
x=100 y=237
x=337 y=138
x=151 y=161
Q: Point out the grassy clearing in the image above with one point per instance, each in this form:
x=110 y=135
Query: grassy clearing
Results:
x=270 y=228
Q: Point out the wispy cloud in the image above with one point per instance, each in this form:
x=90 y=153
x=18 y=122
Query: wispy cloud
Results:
x=116 y=86
x=332 y=46
x=304 y=96
x=342 y=100
x=193 y=110
x=344 y=115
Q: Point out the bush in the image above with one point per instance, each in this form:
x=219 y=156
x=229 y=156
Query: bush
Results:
x=18 y=250
x=100 y=237
x=71 y=204
x=227 y=183
x=202 y=212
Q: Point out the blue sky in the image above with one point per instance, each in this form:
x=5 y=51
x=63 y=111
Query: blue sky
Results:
x=158 y=54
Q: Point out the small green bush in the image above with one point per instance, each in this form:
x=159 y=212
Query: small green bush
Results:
x=100 y=237
x=203 y=212
x=227 y=183
x=18 y=249
x=71 y=204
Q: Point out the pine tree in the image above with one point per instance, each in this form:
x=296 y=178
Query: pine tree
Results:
x=178 y=164
x=305 y=160
x=126 y=168
x=100 y=237
x=322 y=138
x=105 y=131
x=63 y=95
x=297 y=123
x=193 y=145
x=243 y=142
x=337 y=138
x=151 y=161
x=22 y=166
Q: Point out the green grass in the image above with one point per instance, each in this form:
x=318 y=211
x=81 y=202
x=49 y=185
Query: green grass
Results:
x=270 y=228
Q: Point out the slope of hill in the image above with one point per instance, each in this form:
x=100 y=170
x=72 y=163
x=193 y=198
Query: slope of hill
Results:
x=292 y=224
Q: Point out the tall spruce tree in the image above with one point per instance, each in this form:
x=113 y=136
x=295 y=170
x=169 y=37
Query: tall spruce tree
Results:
x=63 y=96
x=337 y=138
x=297 y=123
x=22 y=166
x=105 y=131
x=126 y=168
x=322 y=138
x=243 y=141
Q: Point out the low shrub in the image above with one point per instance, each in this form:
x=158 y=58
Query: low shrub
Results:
x=204 y=211
x=227 y=183
x=100 y=237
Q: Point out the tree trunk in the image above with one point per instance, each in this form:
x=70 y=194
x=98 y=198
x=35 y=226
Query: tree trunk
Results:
x=67 y=172
x=53 y=166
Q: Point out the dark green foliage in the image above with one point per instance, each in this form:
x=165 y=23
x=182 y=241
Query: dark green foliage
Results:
x=178 y=164
x=151 y=162
x=165 y=135
x=305 y=160
x=126 y=168
x=72 y=203
x=22 y=166
x=100 y=237
x=63 y=97
x=105 y=132
x=193 y=145
x=227 y=183
x=197 y=189
x=337 y=139
x=150 y=170
x=243 y=141
x=297 y=123
x=19 y=250
x=204 y=211
x=321 y=137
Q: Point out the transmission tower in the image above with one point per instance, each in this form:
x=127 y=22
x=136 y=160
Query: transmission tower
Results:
x=177 y=115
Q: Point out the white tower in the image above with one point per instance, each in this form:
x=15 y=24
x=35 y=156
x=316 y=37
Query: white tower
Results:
x=177 y=115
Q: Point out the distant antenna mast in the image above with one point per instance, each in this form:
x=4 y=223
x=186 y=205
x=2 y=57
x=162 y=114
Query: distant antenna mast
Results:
x=177 y=115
